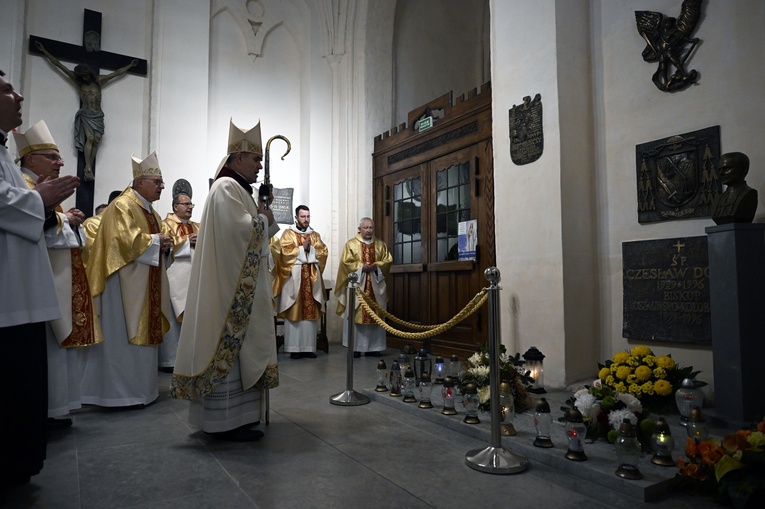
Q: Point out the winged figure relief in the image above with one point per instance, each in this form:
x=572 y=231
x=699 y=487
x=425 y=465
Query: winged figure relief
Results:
x=669 y=43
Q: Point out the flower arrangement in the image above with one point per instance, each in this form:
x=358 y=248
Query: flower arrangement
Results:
x=604 y=409
x=731 y=469
x=510 y=369
x=650 y=378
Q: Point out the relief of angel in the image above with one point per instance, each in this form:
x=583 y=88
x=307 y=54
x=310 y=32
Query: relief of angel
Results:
x=669 y=43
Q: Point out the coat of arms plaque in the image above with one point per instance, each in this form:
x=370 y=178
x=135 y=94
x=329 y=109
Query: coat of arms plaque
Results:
x=677 y=176
x=526 y=139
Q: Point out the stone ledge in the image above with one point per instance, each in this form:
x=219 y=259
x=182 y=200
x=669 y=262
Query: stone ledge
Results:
x=599 y=469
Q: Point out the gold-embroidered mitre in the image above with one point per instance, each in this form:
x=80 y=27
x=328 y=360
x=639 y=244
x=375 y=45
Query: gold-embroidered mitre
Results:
x=38 y=137
x=244 y=141
x=149 y=167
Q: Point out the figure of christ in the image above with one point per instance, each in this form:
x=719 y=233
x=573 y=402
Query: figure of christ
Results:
x=89 y=119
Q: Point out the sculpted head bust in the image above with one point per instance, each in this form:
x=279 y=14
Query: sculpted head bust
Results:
x=738 y=203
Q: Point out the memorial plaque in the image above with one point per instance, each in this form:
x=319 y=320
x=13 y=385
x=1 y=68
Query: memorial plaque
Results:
x=526 y=135
x=666 y=290
x=677 y=176
x=282 y=206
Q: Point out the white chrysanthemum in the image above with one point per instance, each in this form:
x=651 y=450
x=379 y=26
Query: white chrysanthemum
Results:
x=484 y=393
x=584 y=403
x=633 y=404
x=480 y=371
x=616 y=417
x=581 y=392
x=475 y=359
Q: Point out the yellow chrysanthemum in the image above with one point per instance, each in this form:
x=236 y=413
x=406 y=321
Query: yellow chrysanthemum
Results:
x=633 y=361
x=635 y=390
x=665 y=361
x=641 y=350
x=647 y=388
x=631 y=379
x=609 y=380
x=623 y=372
x=604 y=373
x=649 y=360
x=620 y=387
x=643 y=373
x=621 y=356
x=660 y=373
x=662 y=387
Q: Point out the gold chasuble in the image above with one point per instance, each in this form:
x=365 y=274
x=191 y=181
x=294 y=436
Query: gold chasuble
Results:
x=123 y=235
x=90 y=225
x=306 y=306
x=357 y=253
x=78 y=325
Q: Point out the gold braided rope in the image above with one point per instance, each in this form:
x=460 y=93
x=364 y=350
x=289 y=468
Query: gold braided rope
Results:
x=431 y=330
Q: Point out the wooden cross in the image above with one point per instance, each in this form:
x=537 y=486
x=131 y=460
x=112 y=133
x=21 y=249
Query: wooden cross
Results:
x=88 y=53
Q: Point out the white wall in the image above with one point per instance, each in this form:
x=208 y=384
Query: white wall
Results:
x=630 y=110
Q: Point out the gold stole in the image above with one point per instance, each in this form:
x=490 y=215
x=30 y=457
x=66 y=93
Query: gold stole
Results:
x=155 y=289
x=83 y=323
x=368 y=258
x=309 y=309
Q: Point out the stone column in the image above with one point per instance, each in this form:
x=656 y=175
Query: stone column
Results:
x=737 y=297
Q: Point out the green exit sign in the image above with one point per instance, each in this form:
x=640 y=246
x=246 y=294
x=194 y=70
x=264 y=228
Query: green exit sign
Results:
x=425 y=124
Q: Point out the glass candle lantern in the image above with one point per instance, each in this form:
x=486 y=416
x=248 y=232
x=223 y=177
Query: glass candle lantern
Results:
x=425 y=388
x=395 y=380
x=576 y=430
x=507 y=409
x=662 y=444
x=688 y=396
x=409 y=386
x=697 y=426
x=470 y=401
x=543 y=424
x=534 y=358
x=454 y=367
x=439 y=371
x=627 y=452
x=403 y=361
x=422 y=364
x=448 y=393
x=382 y=376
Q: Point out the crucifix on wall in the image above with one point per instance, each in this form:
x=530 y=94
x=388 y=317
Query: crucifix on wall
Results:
x=87 y=79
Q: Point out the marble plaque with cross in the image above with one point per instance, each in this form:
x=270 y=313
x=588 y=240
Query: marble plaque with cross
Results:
x=666 y=290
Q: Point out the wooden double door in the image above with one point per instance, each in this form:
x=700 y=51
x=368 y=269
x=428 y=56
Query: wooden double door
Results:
x=418 y=210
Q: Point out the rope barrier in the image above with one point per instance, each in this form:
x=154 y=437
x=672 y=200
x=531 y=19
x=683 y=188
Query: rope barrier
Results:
x=428 y=330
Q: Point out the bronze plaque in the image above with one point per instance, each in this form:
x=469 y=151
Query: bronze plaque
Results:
x=526 y=137
x=677 y=176
x=666 y=290
x=282 y=206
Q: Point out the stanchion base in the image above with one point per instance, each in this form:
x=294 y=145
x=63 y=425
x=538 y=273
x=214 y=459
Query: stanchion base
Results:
x=496 y=460
x=349 y=398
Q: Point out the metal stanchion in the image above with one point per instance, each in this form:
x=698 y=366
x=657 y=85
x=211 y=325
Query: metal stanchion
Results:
x=495 y=459
x=349 y=397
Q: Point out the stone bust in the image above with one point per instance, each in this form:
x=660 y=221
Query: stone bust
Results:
x=738 y=203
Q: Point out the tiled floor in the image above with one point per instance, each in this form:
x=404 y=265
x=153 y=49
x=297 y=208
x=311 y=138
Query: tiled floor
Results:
x=314 y=455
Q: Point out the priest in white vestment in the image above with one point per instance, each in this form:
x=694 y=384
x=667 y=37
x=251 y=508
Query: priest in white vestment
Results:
x=184 y=232
x=27 y=302
x=126 y=270
x=227 y=350
x=298 y=284
x=370 y=259
x=78 y=326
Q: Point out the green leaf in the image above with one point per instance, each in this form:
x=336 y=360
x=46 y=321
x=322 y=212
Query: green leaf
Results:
x=724 y=465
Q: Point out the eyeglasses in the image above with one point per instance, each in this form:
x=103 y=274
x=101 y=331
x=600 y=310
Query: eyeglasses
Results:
x=157 y=182
x=186 y=204
x=51 y=157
